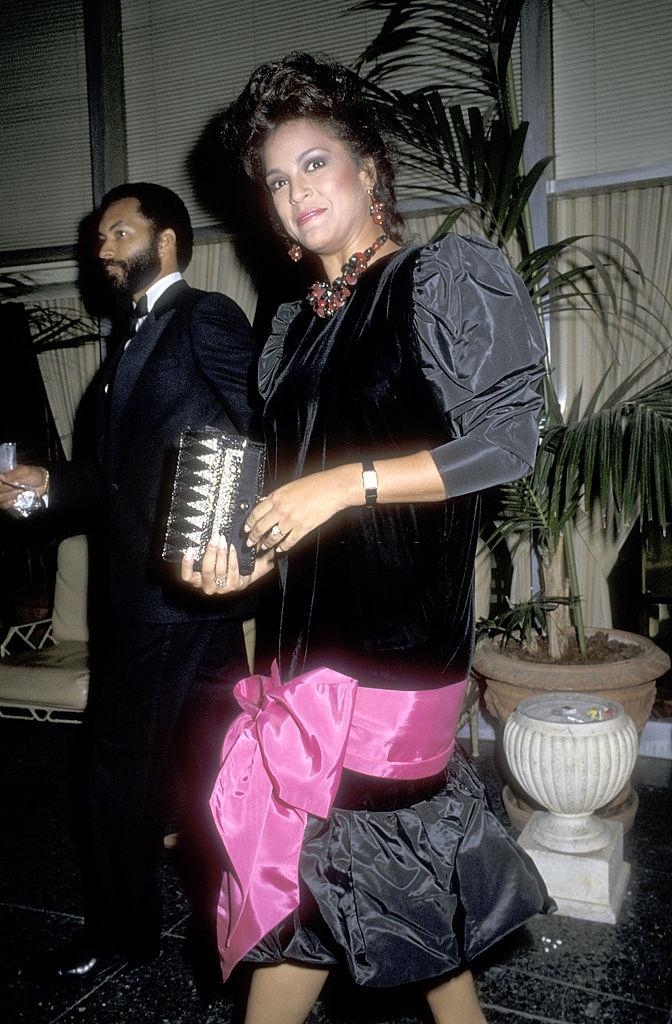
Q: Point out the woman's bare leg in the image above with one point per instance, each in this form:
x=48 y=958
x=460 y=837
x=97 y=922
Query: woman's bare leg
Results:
x=456 y=1000
x=283 y=994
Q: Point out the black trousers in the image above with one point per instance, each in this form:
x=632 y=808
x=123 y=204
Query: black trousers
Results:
x=156 y=691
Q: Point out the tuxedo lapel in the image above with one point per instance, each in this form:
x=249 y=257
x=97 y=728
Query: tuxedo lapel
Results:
x=132 y=360
x=131 y=364
x=103 y=402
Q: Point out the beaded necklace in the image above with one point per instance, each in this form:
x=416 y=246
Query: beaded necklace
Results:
x=327 y=298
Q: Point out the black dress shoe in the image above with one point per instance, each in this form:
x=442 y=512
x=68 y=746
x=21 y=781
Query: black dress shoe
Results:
x=77 y=962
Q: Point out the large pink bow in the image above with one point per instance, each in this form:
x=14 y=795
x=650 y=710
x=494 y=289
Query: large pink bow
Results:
x=282 y=760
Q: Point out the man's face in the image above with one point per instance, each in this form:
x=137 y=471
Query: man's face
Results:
x=128 y=248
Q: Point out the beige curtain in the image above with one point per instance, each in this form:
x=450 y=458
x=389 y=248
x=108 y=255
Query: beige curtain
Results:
x=215 y=267
x=583 y=350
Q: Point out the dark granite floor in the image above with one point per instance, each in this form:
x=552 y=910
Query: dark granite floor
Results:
x=556 y=970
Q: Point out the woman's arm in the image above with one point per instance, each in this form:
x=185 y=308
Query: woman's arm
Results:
x=302 y=506
x=299 y=507
x=481 y=349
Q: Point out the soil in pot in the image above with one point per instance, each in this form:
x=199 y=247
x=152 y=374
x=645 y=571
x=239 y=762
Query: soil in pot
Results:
x=600 y=647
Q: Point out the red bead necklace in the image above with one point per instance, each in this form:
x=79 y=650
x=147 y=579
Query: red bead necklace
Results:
x=327 y=298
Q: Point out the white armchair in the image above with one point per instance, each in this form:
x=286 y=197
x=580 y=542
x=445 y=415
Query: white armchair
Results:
x=44 y=666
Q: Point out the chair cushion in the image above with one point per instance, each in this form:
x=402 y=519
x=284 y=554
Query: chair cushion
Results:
x=57 y=677
x=69 y=616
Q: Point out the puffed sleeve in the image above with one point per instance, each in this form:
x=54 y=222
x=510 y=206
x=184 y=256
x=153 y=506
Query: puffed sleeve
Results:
x=272 y=350
x=481 y=349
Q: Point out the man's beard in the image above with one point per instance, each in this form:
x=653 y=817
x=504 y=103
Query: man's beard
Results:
x=137 y=272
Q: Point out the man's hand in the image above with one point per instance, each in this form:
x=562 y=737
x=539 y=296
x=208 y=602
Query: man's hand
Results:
x=219 y=572
x=23 y=478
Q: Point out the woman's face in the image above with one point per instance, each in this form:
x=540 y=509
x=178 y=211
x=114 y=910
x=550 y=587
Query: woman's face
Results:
x=319 y=191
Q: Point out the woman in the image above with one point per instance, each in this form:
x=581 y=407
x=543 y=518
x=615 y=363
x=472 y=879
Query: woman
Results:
x=402 y=387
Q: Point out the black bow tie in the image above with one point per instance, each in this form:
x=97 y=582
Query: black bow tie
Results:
x=139 y=312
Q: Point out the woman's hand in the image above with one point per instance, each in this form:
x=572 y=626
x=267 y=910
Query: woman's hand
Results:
x=287 y=515
x=219 y=572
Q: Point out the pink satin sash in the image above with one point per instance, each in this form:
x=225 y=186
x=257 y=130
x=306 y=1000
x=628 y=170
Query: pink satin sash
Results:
x=282 y=759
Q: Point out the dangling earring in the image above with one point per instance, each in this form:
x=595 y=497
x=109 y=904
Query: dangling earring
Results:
x=377 y=207
x=295 y=252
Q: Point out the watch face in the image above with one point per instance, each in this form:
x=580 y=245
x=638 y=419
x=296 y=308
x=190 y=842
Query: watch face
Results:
x=370 y=481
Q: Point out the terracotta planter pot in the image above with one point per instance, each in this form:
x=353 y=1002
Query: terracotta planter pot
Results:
x=631 y=682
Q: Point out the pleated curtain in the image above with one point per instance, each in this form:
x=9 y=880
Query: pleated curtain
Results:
x=215 y=267
x=583 y=351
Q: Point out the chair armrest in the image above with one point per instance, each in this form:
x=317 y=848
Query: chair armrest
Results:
x=32 y=636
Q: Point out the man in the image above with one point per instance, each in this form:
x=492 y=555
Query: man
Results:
x=165 y=659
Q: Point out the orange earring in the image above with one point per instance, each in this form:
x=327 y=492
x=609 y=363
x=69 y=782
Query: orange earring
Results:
x=377 y=211
x=377 y=207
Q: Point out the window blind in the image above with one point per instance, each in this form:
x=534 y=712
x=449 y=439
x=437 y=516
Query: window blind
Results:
x=45 y=171
x=184 y=63
x=612 y=71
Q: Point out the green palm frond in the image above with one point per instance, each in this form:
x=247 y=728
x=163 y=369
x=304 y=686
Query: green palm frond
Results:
x=524 y=509
x=466 y=44
x=647 y=478
x=457 y=152
x=620 y=456
x=448 y=223
x=433 y=143
x=468 y=158
x=57 y=329
x=519 y=622
x=453 y=123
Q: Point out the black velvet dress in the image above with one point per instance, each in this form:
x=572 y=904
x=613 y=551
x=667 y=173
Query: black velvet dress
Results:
x=439 y=349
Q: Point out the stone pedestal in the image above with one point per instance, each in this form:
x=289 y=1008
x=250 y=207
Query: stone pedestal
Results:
x=573 y=753
x=588 y=885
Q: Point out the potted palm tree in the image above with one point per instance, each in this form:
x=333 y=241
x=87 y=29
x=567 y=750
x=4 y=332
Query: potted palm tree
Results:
x=460 y=136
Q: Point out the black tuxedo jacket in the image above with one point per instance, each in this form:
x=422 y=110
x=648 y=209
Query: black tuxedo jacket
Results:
x=189 y=365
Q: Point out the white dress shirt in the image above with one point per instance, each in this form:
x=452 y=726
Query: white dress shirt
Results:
x=153 y=294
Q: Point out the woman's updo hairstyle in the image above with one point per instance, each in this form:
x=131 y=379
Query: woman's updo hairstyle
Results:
x=300 y=86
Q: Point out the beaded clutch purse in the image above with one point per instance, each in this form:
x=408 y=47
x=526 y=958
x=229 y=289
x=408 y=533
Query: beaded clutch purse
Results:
x=218 y=480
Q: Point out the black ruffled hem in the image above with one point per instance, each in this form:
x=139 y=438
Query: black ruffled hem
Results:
x=410 y=894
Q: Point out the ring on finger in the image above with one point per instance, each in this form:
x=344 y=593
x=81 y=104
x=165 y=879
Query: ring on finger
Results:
x=276 y=531
x=220 y=582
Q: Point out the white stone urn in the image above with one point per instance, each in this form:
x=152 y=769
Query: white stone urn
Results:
x=572 y=753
